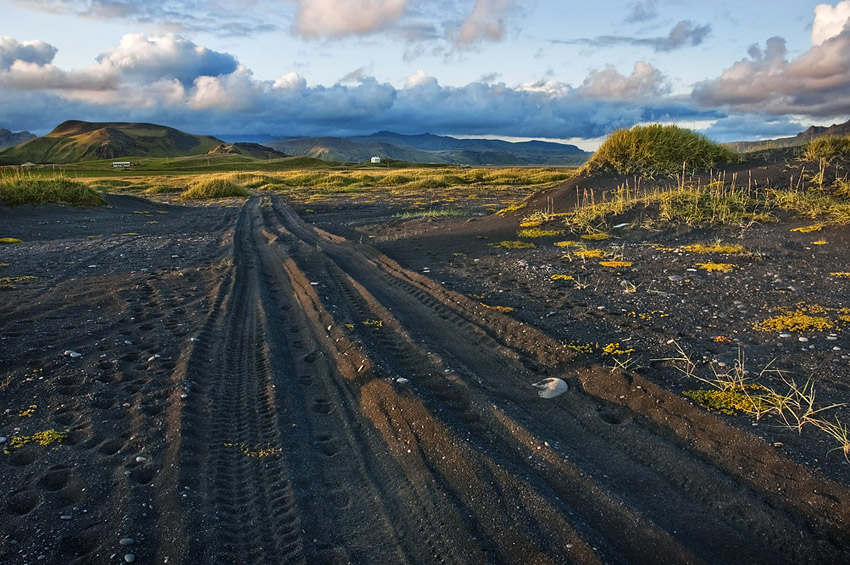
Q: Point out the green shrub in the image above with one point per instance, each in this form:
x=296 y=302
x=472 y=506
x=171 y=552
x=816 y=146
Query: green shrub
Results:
x=656 y=150
x=828 y=149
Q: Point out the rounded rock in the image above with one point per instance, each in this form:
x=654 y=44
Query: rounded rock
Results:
x=130 y=558
x=126 y=541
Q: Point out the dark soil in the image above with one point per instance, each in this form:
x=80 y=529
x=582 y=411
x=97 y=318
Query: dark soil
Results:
x=254 y=388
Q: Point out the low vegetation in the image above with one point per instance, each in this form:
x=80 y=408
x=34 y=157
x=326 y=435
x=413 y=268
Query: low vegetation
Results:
x=16 y=190
x=213 y=187
x=655 y=151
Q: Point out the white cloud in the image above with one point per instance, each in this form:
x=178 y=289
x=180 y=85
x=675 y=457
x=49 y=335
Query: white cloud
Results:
x=331 y=18
x=829 y=21
x=645 y=82
x=151 y=58
x=37 y=52
x=419 y=78
x=290 y=81
x=486 y=22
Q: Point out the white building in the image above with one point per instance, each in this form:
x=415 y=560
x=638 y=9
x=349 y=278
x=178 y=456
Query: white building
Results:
x=376 y=160
x=121 y=164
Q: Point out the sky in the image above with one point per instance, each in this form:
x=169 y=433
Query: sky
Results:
x=508 y=69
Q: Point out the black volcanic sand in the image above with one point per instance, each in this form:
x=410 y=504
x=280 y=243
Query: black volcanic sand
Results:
x=254 y=388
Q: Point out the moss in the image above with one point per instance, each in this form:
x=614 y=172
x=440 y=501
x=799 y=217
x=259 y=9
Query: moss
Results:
x=537 y=232
x=716 y=248
x=559 y=277
x=10 y=240
x=796 y=321
x=596 y=236
x=45 y=437
x=566 y=243
x=729 y=402
x=503 y=309
x=616 y=264
x=711 y=267
x=590 y=253
x=809 y=229
x=513 y=244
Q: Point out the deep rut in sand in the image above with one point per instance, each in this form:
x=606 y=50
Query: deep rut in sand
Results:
x=339 y=408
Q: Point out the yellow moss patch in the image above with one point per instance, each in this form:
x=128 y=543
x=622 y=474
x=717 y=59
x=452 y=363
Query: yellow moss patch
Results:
x=796 y=321
x=373 y=323
x=513 y=244
x=596 y=236
x=258 y=452
x=820 y=242
x=503 y=309
x=531 y=224
x=809 y=229
x=10 y=240
x=711 y=267
x=45 y=437
x=566 y=243
x=532 y=233
x=716 y=248
x=843 y=274
x=9 y=282
x=558 y=277
x=28 y=412
x=130 y=233
x=615 y=264
x=726 y=401
x=615 y=349
x=589 y=253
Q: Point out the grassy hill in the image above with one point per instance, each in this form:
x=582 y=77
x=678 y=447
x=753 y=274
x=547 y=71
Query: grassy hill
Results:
x=429 y=148
x=74 y=141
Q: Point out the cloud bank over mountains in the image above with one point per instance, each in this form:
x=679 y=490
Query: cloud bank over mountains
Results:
x=168 y=78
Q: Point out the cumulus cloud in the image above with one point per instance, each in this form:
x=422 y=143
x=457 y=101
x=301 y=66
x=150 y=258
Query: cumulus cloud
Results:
x=830 y=21
x=143 y=58
x=330 y=18
x=685 y=33
x=608 y=84
x=815 y=84
x=37 y=52
x=485 y=23
x=166 y=79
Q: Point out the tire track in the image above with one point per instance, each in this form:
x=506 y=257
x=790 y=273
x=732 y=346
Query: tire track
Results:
x=603 y=444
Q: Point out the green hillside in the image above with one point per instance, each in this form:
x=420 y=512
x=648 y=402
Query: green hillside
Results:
x=74 y=141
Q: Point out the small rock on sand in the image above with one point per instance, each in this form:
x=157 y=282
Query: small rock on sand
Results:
x=550 y=388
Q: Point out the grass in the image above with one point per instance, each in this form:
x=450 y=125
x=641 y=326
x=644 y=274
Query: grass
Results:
x=18 y=189
x=654 y=151
x=716 y=267
x=512 y=245
x=735 y=392
x=213 y=187
x=439 y=213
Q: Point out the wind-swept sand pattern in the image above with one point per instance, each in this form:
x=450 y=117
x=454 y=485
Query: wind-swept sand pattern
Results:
x=295 y=397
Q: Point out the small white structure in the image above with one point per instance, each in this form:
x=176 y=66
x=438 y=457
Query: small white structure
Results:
x=120 y=164
x=376 y=160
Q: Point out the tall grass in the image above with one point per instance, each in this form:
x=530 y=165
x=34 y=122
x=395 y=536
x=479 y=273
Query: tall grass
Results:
x=213 y=186
x=658 y=151
x=19 y=189
x=828 y=148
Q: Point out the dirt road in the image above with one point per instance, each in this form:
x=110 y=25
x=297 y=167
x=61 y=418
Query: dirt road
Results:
x=286 y=395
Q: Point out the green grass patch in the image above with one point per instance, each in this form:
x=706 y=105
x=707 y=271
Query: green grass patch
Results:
x=16 y=190
x=9 y=240
x=214 y=187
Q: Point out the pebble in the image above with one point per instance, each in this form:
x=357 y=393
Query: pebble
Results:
x=72 y=354
x=2 y=439
x=66 y=517
x=832 y=337
x=141 y=459
x=130 y=558
x=676 y=278
x=126 y=541
x=402 y=381
x=803 y=339
x=785 y=335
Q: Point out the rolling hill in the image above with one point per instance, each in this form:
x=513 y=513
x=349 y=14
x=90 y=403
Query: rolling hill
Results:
x=74 y=141
x=11 y=139
x=429 y=148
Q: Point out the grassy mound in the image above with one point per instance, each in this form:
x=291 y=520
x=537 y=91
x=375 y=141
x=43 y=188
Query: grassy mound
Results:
x=213 y=187
x=654 y=151
x=19 y=190
x=828 y=149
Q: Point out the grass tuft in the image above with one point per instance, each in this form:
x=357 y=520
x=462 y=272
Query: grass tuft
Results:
x=18 y=190
x=213 y=187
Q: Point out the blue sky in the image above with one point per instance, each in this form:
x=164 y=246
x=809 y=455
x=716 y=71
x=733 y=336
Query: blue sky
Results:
x=544 y=69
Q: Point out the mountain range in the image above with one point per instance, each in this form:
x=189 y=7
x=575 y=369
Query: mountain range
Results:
x=75 y=141
x=429 y=148
x=800 y=139
x=11 y=139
